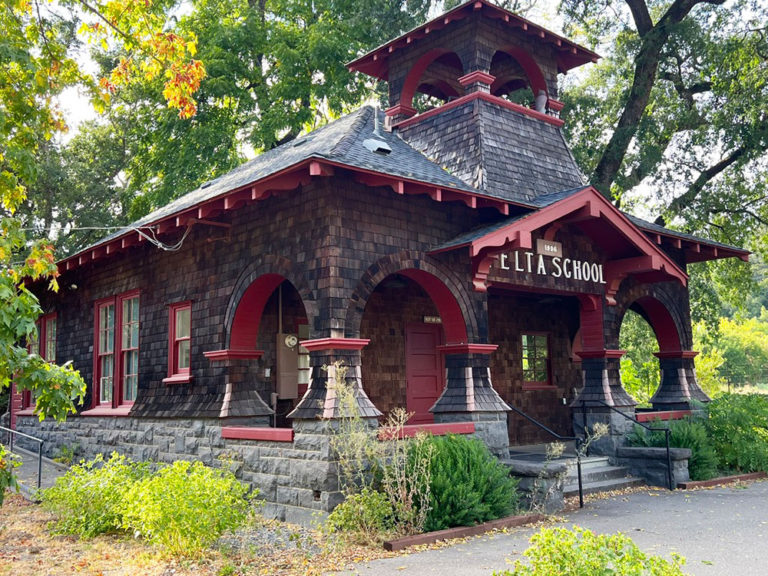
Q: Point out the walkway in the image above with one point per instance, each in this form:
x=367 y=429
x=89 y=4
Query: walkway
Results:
x=27 y=472
x=719 y=531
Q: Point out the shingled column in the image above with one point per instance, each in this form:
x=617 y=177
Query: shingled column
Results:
x=602 y=399
x=678 y=388
x=469 y=396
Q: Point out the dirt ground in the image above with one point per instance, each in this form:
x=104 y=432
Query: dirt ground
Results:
x=27 y=548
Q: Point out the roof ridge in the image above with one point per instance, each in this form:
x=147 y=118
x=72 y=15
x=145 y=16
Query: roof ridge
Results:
x=346 y=141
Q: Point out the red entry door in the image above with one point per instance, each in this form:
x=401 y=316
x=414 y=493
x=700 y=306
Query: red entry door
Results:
x=424 y=371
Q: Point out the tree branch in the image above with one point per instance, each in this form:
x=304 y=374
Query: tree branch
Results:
x=641 y=16
x=646 y=69
x=693 y=191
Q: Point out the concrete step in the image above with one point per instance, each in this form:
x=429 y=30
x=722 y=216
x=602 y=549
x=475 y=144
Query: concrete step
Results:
x=597 y=474
x=588 y=463
x=603 y=485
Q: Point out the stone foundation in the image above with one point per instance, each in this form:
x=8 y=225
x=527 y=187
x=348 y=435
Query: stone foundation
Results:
x=296 y=479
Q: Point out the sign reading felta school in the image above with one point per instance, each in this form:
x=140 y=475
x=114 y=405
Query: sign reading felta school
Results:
x=557 y=266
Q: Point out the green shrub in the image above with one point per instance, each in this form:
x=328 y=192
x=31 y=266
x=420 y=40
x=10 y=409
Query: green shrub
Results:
x=8 y=461
x=366 y=517
x=691 y=434
x=185 y=507
x=468 y=484
x=738 y=427
x=87 y=499
x=579 y=552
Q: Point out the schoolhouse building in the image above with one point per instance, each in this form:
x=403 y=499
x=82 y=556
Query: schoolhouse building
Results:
x=447 y=250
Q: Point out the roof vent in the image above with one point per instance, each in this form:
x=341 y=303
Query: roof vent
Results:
x=377 y=144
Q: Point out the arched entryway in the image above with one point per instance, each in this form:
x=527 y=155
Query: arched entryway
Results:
x=269 y=322
x=407 y=317
x=650 y=331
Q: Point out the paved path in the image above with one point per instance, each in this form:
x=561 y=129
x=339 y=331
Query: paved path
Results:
x=27 y=472
x=722 y=531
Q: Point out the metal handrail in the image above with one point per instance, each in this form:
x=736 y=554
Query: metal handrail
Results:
x=666 y=431
x=11 y=433
x=576 y=439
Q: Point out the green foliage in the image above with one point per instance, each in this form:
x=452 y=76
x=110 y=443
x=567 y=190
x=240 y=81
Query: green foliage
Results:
x=185 y=507
x=274 y=70
x=88 y=499
x=8 y=461
x=580 y=552
x=367 y=516
x=692 y=434
x=468 y=484
x=639 y=368
x=738 y=427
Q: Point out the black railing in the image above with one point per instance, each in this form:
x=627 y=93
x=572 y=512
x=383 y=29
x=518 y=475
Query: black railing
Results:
x=575 y=439
x=12 y=433
x=670 y=484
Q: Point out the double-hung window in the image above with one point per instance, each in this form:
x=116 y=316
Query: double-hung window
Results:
x=116 y=358
x=45 y=346
x=179 y=343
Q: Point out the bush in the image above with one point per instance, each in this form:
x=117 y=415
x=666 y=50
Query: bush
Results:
x=691 y=434
x=185 y=507
x=579 y=552
x=367 y=517
x=8 y=461
x=87 y=499
x=738 y=427
x=468 y=484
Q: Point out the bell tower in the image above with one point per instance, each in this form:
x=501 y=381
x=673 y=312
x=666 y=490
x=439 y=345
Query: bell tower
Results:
x=475 y=90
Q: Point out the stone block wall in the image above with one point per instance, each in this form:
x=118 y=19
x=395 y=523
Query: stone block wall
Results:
x=296 y=479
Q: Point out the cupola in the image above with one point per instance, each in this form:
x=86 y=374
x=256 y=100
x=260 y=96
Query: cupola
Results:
x=476 y=91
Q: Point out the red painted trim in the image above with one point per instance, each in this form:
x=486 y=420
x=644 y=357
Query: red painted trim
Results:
x=677 y=354
x=662 y=415
x=96 y=384
x=400 y=110
x=119 y=383
x=176 y=375
x=610 y=354
x=266 y=434
x=454 y=326
x=555 y=105
x=693 y=484
x=592 y=205
x=480 y=96
x=476 y=76
x=374 y=63
x=530 y=67
x=411 y=430
x=26 y=412
x=178 y=379
x=221 y=355
x=122 y=410
x=663 y=325
x=415 y=74
x=468 y=348
x=335 y=344
x=245 y=326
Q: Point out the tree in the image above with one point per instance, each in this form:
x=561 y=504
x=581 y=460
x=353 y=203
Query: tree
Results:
x=678 y=107
x=274 y=69
x=36 y=64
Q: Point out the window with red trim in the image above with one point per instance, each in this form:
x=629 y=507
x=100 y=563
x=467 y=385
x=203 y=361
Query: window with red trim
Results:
x=535 y=360
x=179 y=342
x=45 y=346
x=116 y=346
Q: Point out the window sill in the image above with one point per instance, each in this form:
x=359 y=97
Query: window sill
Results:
x=538 y=386
x=26 y=412
x=178 y=379
x=108 y=411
